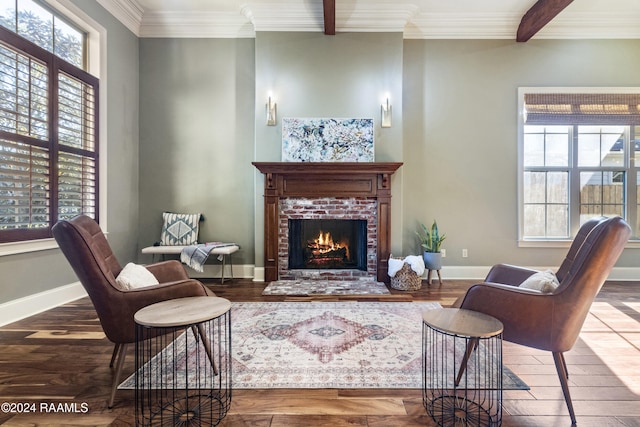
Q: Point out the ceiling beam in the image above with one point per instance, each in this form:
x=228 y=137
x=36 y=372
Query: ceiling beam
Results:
x=538 y=16
x=330 y=17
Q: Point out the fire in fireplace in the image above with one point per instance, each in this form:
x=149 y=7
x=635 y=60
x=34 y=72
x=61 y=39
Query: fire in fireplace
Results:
x=327 y=244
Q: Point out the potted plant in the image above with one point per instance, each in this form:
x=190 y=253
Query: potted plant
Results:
x=431 y=240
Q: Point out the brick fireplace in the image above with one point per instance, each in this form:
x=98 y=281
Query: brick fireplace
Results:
x=342 y=190
x=327 y=208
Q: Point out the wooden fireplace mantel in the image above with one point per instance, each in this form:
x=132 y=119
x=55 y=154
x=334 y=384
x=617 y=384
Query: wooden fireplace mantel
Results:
x=326 y=179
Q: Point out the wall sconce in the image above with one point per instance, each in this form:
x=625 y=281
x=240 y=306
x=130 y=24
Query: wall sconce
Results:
x=385 y=111
x=271 y=113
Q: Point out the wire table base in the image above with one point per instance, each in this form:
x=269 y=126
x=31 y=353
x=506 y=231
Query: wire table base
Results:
x=183 y=363
x=462 y=369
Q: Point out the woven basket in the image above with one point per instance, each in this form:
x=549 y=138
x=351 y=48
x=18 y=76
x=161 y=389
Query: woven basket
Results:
x=406 y=279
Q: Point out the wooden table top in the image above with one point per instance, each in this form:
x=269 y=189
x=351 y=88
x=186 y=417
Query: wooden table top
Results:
x=182 y=311
x=461 y=322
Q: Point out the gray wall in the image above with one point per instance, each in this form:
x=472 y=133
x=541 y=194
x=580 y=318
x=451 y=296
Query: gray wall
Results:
x=196 y=137
x=460 y=134
x=27 y=274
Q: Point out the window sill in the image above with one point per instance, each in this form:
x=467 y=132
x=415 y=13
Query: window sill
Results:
x=15 y=248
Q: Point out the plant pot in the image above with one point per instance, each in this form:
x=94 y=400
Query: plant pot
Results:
x=432 y=260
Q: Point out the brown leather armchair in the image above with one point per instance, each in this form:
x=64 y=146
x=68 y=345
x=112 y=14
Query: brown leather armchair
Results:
x=552 y=321
x=86 y=248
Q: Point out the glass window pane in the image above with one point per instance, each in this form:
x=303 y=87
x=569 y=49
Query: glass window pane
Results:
x=534 y=187
x=40 y=26
x=546 y=208
x=35 y=24
x=558 y=221
x=534 y=149
x=613 y=147
x=588 y=150
x=68 y=42
x=612 y=210
x=557 y=150
x=546 y=146
x=601 y=193
x=588 y=212
x=557 y=187
x=534 y=219
x=601 y=146
x=590 y=188
x=8 y=14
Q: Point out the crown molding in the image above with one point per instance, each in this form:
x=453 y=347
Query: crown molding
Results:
x=128 y=12
x=196 y=25
x=380 y=17
x=462 y=26
x=281 y=15
x=579 y=25
x=588 y=25
x=285 y=16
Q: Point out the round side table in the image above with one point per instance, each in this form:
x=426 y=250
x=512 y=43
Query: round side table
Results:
x=462 y=367
x=183 y=362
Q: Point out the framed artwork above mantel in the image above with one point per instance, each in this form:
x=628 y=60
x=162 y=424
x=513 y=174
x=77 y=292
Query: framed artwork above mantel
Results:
x=327 y=140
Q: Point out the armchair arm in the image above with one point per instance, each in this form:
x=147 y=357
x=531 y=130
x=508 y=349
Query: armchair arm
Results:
x=164 y=291
x=168 y=271
x=119 y=324
x=509 y=274
x=526 y=314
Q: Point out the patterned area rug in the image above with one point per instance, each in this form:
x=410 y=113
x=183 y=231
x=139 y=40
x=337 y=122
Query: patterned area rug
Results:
x=328 y=345
x=325 y=287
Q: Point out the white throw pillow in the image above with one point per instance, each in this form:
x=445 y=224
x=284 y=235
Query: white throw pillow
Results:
x=135 y=276
x=543 y=281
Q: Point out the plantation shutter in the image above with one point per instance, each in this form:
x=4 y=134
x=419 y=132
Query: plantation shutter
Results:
x=77 y=179
x=25 y=190
x=25 y=181
x=48 y=140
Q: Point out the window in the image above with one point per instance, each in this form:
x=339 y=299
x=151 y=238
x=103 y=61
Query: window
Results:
x=48 y=123
x=578 y=155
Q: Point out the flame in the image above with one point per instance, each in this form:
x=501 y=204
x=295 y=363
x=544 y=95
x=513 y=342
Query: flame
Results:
x=324 y=243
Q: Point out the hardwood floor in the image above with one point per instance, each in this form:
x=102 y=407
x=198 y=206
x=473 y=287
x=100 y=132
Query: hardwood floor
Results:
x=61 y=357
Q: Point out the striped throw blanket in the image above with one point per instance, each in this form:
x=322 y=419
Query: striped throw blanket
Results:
x=196 y=255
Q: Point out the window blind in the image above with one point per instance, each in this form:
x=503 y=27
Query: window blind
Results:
x=582 y=108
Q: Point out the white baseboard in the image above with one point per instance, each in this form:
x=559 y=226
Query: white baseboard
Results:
x=20 y=308
x=258 y=274
x=625 y=274
x=214 y=271
x=453 y=272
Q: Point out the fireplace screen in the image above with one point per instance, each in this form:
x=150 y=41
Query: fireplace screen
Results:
x=328 y=244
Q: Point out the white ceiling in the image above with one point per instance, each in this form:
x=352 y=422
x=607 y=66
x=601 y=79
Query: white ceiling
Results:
x=418 y=19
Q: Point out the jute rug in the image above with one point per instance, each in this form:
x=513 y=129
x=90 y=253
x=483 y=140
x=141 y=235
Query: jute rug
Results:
x=325 y=287
x=327 y=345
